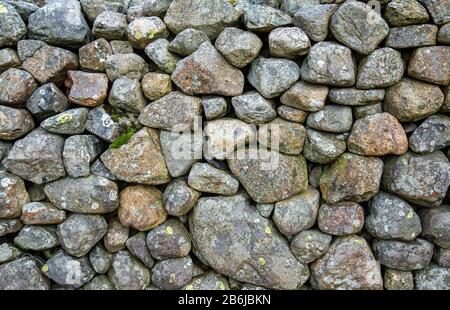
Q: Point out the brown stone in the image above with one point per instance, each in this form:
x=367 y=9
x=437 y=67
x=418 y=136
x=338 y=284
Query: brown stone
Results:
x=156 y=85
x=141 y=207
x=377 y=135
x=13 y=195
x=41 y=213
x=16 y=86
x=87 y=89
x=341 y=219
x=93 y=55
x=431 y=64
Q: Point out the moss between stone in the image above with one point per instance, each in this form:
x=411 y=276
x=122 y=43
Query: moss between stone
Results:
x=123 y=139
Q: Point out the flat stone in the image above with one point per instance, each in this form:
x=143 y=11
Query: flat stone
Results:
x=297 y=213
x=205 y=178
x=46 y=101
x=14 y=123
x=377 y=135
x=267 y=263
x=141 y=207
x=348 y=264
x=272 y=76
x=341 y=219
x=401 y=255
x=432 y=135
x=187 y=41
x=16 y=86
x=175 y=110
x=411 y=36
x=23 y=274
x=352 y=178
x=355 y=97
x=366 y=110
x=382 y=68
x=37 y=157
x=332 y=118
x=92 y=194
x=412 y=100
x=392 y=218
x=50 y=64
x=128 y=273
x=79 y=233
x=329 y=63
x=420 y=178
x=140 y=160
x=208 y=16
x=430 y=64
x=41 y=213
x=314 y=19
x=291 y=114
x=69 y=122
x=269 y=176
x=239 y=47
x=207 y=72
x=145 y=30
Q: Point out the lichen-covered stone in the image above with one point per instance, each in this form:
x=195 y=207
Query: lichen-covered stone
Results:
x=411 y=36
x=172 y=274
x=145 y=30
x=67 y=270
x=332 y=118
x=110 y=26
x=69 y=122
x=36 y=238
x=205 y=178
x=398 y=279
x=16 y=86
x=158 y=52
x=430 y=64
x=432 y=277
x=12 y=27
x=187 y=41
x=322 y=147
x=288 y=42
x=116 y=236
x=14 y=123
x=127 y=273
x=41 y=213
x=46 y=101
x=23 y=274
x=283 y=136
x=127 y=94
x=433 y=134
x=93 y=55
x=156 y=85
x=310 y=245
x=131 y=65
x=137 y=246
x=314 y=19
x=341 y=219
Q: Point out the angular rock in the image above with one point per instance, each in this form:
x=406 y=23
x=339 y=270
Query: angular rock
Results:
x=100 y=258
x=412 y=100
x=350 y=25
x=87 y=89
x=305 y=96
x=438 y=10
x=309 y=245
x=392 y=218
x=141 y=207
x=27 y=48
x=175 y=110
x=208 y=16
x=69 y=122
x=272 y=76
x=288 y=42
x=156 y=85
x=169 y=240
x=41 y=213
x=140 y=160
x=14 y=123
x=314 y=20
x=36 y=238
x=12 y=27
x=297 y=213
x=110 y=26
x=352 y=178
x=79 y=152
x=214 y=107
x=46 y=101
x=127 y=273
x=404 y=13
x=99 y=169
x=207 y=72
x=127 y=94
x=13 y=195
x=158 y=52
x=137 y=246
x=263 y=18
x=435 y=223
x=172 y=274
x=348 y=264
x=205 y=178
x=401 y=255
x=329 y=63
x=284 y=136
x=422 y=179
x=116 y=236
x=37 y=157
x=92 y=194
x=268 y=263
x=321 y=147
x=131 y=65
x=239 y=47
x=430 y=64
x=433 y=134
x=16 y=86
x=93 y=55
x=291 y=114
x=341 y=219
x=187 y=41
x=23 y=274
x=332 y=118
x=50 y=64
x=145 y=30
x=411 y=36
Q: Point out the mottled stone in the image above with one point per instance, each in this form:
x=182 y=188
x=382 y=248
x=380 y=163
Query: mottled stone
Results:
x=433 y=277
x=116 y=236
x=348 y=265
x=23 y=274
x=100 y=258
x=412 y=100
x=50 y=64
x=121 y=47
x=172 y=274
x=263 y=18
x=8 y=59
x=224 y=230
x=37 y=238
x=288 y=42
x=9 y=252
x=321 y=147
x=284 y=136
x=269 y=176
x=439 y=10
x=68 y=271
x=431 y=64
x=402 y=255
x=16 y=86
x=420 y=178
x=158 y=52
x=140 y=160
x=341 y=219
x=141 y=207
x=13 y=195
x=187 y=41
x=351 y=177
x=435 y=223
x=207 y=281
x=110 y=26
x=175 y=110
x=310 y=245
x=305 y=96
x=10 y=226
x=272 y=76
x=46 y=101
x=291 y=114
x=93 y=55
x=41 y=213
x=392 y=218
x=443 y=35
x=329 y=63
x=14 y=123
x=214 y=106
x=137 y=246
x=433 y=134
x=79 y=152
x=411 y=36
x=98 y=283
x=441 y=256
x=355 y=97
x=404 y=13
x=179 y=198
x=297 y=213
x=87 y=89
x=145 y=30
x=207 y=72
x=169 y=240
x=93 y=8
x=156 y=85
x=209 y=16
x=27 y=48
x=332 y=118
x=69 y=122
x=12 y=27
x=131 y=65
x=127 y=94
x=99 y=169
x=265 y=209
x=127 y=273
x=205 y=178
x=314 y=19
x=398 y=280
x=37 y=157
x=92 y=194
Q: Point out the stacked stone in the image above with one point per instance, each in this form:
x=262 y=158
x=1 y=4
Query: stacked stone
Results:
x=340 y=110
